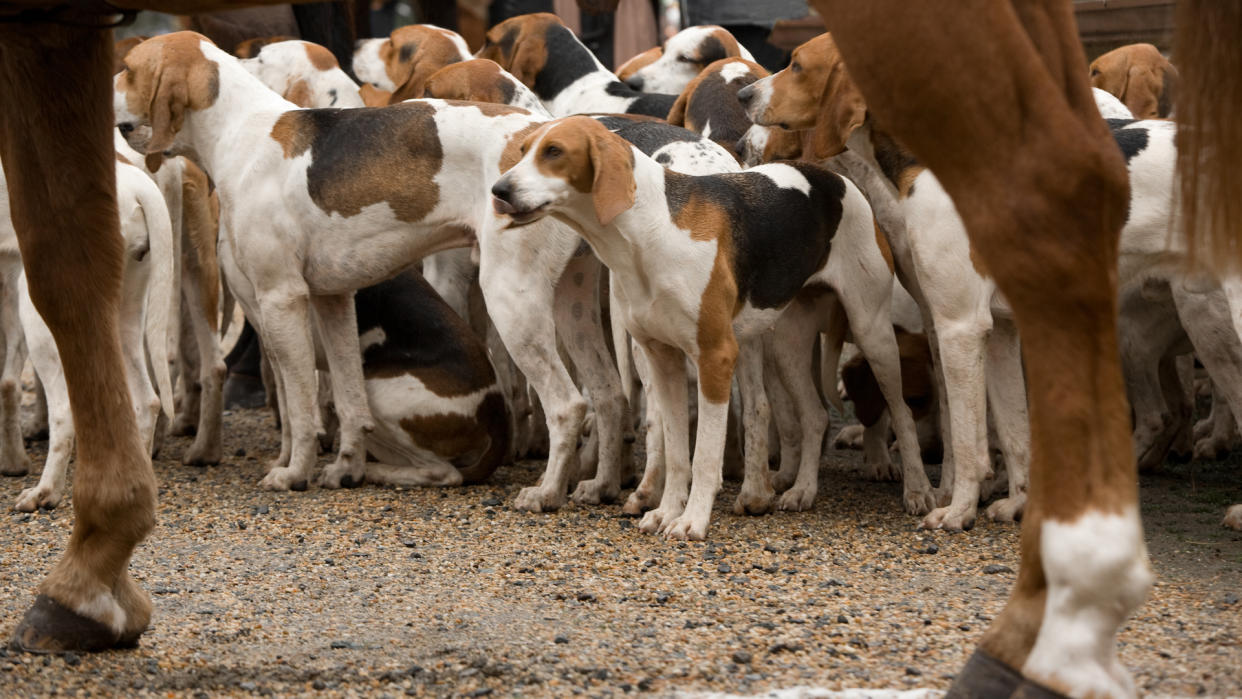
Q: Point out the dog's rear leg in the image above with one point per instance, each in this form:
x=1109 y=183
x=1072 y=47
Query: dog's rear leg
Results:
x=1006 y=387
x=47 y=365
x=338 y=328
x=13 y=459
x=785 y=416
x=755 y=497
x=790 y=346
x=207 y=411
x=650 y=489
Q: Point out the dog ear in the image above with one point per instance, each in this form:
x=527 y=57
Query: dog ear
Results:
x=169 y=99
x=530 y=54
x=613 y=186
x=414 y=85
x=372 y=96
x=677 y=115
x=841 y=111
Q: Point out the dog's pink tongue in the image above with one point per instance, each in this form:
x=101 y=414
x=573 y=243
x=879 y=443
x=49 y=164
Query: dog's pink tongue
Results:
x=501 y=206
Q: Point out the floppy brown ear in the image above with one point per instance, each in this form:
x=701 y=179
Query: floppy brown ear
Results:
x=841 y=111
x=529 y=57
x=372 y=96
x=1111 y=73
x=168 y=103
x=613 y=187
x=414 y=85
x=677 y=115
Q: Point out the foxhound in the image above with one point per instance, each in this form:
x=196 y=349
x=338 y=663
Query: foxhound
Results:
x=147 y=302
x=626 y=70
x=1140 y=76
x=541 y=52
x=307 y=74
x=684 y=56
x=709 y=105
x=723 y=288
x=400 y=64
x=315 y=204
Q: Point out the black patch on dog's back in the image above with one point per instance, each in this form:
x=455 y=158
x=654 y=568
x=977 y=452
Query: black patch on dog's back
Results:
x=649 y=103
x=780 y=236
x=567 y=61
x=647 y=136
x=1132 y=141
x=421 y=331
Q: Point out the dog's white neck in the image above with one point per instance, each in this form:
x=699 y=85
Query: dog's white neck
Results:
x=242 y=103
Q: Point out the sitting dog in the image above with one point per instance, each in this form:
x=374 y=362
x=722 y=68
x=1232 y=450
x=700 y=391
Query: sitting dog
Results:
x=697 y=272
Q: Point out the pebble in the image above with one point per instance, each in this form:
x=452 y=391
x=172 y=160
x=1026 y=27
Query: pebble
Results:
x=997 y=568
x=561 y=639
x=741 y=657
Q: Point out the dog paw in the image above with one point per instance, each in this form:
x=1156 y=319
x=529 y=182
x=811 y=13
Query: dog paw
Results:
x=919 y=502
x=783 y=479
x=1007 y=509
x=656 y=520
x=850 y=437
x=754 y=499
x=639 y=502
x=201 y=453
x=32 y=499
x=1233 y=518
x=536 y=499
x=797 y=499
x=941 y=497
x=1211 y=449
x=283 y=478
x=687 y=528
x=595 y=491
x=950 y=519
x=884 y=470
x=17 y=465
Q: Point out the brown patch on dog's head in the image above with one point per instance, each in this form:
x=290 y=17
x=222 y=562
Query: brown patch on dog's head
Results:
x=637 y=63
x=519 y=45
x=592 y=159
x=1140 y=77
x=251 y=47
x=372 y=96
x=298 y=92
x=476 y=80
x=412 y=54
x=121 y=48
x=164 y=78
x=320 y=57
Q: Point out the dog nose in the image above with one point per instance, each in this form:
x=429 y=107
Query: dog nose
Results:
x=501 y=191
x=635 y=81
x=126 y=128
x=746 y=94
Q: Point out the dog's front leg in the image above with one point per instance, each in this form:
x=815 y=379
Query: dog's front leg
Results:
x=755 y=498
x=338 y=329
x=668 y=381
x=285 y=332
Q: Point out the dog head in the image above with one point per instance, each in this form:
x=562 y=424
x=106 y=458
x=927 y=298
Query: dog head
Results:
x=520 y=44
x=637 y=63
x=574 y=166
x=1140 y=77
x=402 y=63
x=814 y=92
x=304 y=73
x=163 y=79
x=685 y=55
x=481 y=80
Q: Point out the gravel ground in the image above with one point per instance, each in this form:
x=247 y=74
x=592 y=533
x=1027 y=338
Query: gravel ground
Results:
x=449 y=592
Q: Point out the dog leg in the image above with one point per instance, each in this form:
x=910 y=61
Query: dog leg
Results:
x=791 y=344
x=142 y=396
x=338 y=329
x=1006 y=387
x=580 y=327
x=650 y=489
x=13 y=459
x=284 y=330
x=668 y=381
x=191 y=397
x=208 y=411
x=1206 y=318
x=36 y=429
x=755 y=497
x=46 y=361
x=402 y=463
x=877 y=462
x=785 y=415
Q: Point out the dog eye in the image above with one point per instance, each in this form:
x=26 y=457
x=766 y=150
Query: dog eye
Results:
x=1095 y=72
x=551 y=151
x=795 y=67
x=685 y=59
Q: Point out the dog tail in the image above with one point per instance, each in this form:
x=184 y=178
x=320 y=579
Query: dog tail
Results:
x=1209 y=138
x=201 y=217
x=162 y=296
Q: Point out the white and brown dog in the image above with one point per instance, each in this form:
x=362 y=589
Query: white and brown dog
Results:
x=541 y=52
x=401 y=64
x=304 y=73
x=684 y=56
x=698 y=272
x=315 y=204
x=146 y=308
